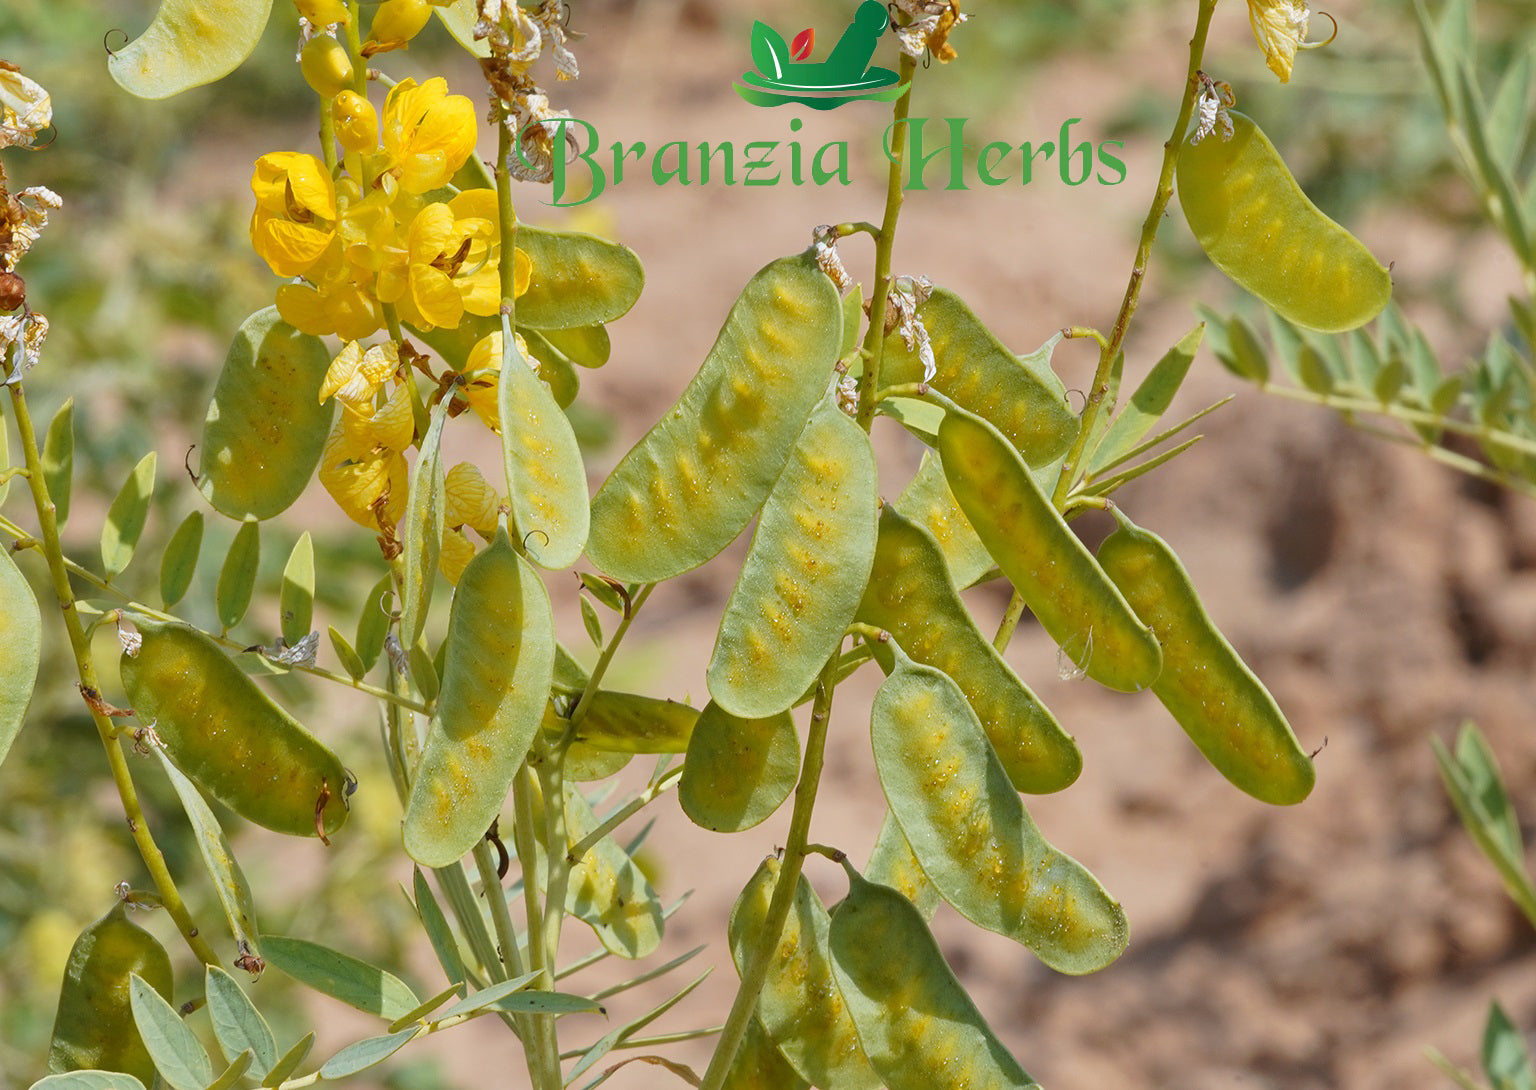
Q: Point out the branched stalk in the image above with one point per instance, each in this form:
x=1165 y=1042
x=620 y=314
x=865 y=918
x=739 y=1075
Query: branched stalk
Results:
x=1346 y=403
x=1110 y=348
x=606 y=656
x=80 y=648
x=796 y=847
x=652 y=791
x=542 y=1051
x=885 y=241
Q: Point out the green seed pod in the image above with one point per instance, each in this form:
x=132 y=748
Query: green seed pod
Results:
x=545 y=474
x=228 y=736
x=94 y=1028
x=1054 y=572
x=21 y=640
x=608 y=892
x=697 y=478
x=910 y=595
x=577 y=279
x=265 y=427
x=500 y=660
x=1258 y=227
x=971 y=834
x=738 y=771
x=928 y=502
x=804 y=573
x=629 y=723
x=759 y=1065
x=800 y=1006
x=1022 y=398
x=1206 y=687
x=892 y=863
x=189 y=43
x=916 y=1024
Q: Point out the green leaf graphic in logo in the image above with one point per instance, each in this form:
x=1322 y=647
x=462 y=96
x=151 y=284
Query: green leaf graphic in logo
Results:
x=845 y=76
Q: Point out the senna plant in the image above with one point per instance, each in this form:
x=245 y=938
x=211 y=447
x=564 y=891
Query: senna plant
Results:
x=414 y=302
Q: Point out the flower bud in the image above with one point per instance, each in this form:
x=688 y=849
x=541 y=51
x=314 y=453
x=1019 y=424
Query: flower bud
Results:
x=357 y=122
x=325 y=65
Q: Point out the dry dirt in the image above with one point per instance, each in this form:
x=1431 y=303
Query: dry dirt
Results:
x=1383 y=599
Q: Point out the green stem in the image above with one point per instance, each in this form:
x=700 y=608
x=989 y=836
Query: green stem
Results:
x=1346 y=403
x=543 y=1055
x=885 y=241
x=80 y=648
x=796 y=847
x=1110 y=348
x=653 y=790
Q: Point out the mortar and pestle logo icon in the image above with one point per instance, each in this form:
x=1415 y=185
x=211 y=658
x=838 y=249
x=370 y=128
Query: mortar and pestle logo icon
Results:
x=845 y=76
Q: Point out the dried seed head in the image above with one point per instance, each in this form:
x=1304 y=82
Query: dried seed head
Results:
x=13 y=291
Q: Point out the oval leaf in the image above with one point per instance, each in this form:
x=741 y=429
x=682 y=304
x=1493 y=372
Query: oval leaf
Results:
x=237 y=1023
x=341 y=976
x=125 y=518
x=178 y=1057
x=179 y=563
x=296 y=600
x=21 y=640
x=364 y=1054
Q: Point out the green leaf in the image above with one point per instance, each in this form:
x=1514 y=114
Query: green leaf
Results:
x=612 y=1039
x=603 y=590
x=178 y=1057
x=350 y=661
x=190 y=43
x=426 y=1007
x=237 y=578
x=88 y=1080
x=234 y=1073
x=853 y=321
x=424 y=673
x=296 y=600
x=534 y=1002
x=59 y=459
x=1312 y=371
x=423 y=529
x=578 y=279
x=921 y=418
x=485 y=997
x=1472 y=780
x=364 y=1054
x=1245 y=357
x=1505 y=1058
x=341 y=976
x=444 y=945
x=1149 y=402
x=1494 y=176
x=770 y=55
x=589 y=619
x=1389 y=380
x=290 y=1061
x=554 y=367
x=21 y=641
x=125 y=518
x=237 y=1024
x=234 y=892
x=373 y=622
x=179 y=562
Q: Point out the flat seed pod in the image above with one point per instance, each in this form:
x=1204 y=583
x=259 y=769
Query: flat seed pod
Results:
x=928 y=502
x=577 y=280
x=265 y=427
x=93 y=1029
x=1055 y=573
x=1205 y=685
x=759 y=1065
x=545 y=476
x=227 y=735
x=1028 y=404
x=1258 y=227
x=800 y=1006
x=628 y=723
x=697 y=478
x=189 y=43
x=910 y=595
x=499 y=662
x=804 y=573
x=892 y=863
x=738 y=771
x=585 y=346
x=916 y=1024
x=969 y=830
x=422 y=531
x=21 y=640
x=607 y=891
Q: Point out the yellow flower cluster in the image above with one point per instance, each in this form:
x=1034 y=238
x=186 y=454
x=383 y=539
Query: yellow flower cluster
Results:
x=371 y=237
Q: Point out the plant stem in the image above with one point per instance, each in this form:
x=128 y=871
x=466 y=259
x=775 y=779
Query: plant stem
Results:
x=885 y=241
x=1348 y=403
x=583 y=704
x=795 y=850
x=80 y=648
x=1111 y=347
x=543 y=1052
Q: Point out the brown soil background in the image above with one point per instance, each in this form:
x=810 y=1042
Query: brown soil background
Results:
x=1382 y=598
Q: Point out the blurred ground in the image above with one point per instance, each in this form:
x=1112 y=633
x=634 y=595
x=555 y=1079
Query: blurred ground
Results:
x=1382 y=599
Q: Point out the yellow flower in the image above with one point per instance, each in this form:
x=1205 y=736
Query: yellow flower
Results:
x=428 y=133
x=295 y=217
x=357 y=122
x=469 y=500
x=394 y=24
x=336 y=304
x=369 y=484
x=323 y=12
x=355 y=376
x=456 y=553
x=1280 y=27
x=391 y=427
x=449 y=263
x=482 y=372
